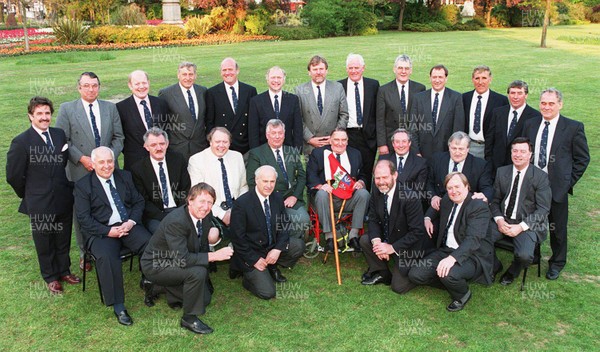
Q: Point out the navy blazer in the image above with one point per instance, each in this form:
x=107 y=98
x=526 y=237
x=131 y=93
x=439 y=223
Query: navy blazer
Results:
x=371 y=88
x=261 y=111
x=315 y=170
x=477 y=170
x=495 y=100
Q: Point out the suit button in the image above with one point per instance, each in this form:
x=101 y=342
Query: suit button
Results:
x=225 y=125
x=240 y=133
x=223 y=115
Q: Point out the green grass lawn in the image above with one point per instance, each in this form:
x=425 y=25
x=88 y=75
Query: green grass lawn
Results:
x=313 y=312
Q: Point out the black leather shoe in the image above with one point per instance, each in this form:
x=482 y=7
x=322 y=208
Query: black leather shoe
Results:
x=123 y=318
x=234 y=273
x=366 y=276
x=197 y=326
x=175 y=305
x=329 y=245
x=276 y=274
x=376 y=279
x=457 y=305
x=507 y=279
x=149 y=296
x=552 y=274
x=353 y=243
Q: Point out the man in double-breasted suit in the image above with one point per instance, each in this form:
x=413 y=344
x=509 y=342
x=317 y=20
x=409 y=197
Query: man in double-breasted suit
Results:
x=259 y=236
x=323 y=104
x=560 y=149
x=291 y=177
x=186 y=122
x=412 y=169
x=361 y=95
x=35 y=168
x=88 y=123
x=139 y=113
x=464 y=247
x=228 y=104
x=435 y=114
x=394 y=101
x=520 y=207
x=275 y=104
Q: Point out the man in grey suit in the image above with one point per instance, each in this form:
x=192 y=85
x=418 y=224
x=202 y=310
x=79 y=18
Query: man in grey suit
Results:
x=394 y=101
x=435 y=114
x=323 y=104
x=88 y=123
x=520 y=207
x=186 y=121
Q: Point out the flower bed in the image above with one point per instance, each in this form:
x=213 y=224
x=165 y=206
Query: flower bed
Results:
x=12 y=36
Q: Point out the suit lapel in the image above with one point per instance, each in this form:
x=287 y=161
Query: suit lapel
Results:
x=98 y=189
x=394 y=210
x=84 y=124
x=444 y=108
x=105 y=123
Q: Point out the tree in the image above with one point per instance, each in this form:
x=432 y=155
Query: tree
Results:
x=209 y=4
x=546 y=21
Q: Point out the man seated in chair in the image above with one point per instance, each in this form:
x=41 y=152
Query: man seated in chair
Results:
x=322 y=168
x=109 y=210
x=520 y=208
x=177 y=256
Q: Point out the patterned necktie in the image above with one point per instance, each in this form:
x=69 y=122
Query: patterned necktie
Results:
x=450 y=222
x=434 y=111
x=163 y=184
x=199 y=229
x=403 y=100
x=543 y=146
x=386 y=218
x=94 y=127
x=276 y=104
x=147 y=114
x=513 y=124
x=282 y=167
x=512 y=201
x=339 y=159
x=319 y=100
x=268 y=219
x=228 y=197
x=48 y=141
x=118 y=202
x=234 y=98
x=400 y=167
x=455 y=168
x=359 y=114
x=477 y=122
x=191 y=105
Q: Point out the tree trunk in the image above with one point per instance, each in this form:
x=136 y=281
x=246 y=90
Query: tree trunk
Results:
x=24 y=22
x=401 y=16
x=546 y=22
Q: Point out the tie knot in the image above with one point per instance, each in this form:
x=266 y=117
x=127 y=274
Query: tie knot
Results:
x=401 y=158
x=547 y=123
x=277 y=151
x=232 y=89
x=221 y=160
x=45 y=133
x=91 y=105
x=160 y=163
x=437 y=94
x=403 y=87
x=515 y=113
x=109 y=183
x=479 y=97
x=276 y=96
x=199 y=224
x=319 y=88
x=143 y=102
x=356 y=84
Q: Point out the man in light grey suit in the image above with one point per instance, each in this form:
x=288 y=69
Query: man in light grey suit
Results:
x=436 y=114
x=186 y=121
x=323 y=104
x=88 y=123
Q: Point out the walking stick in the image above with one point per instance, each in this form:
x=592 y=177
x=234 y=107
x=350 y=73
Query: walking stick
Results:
x=335 y=246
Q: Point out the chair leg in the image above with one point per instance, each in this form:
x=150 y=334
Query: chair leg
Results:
x=85 y=260
x=524 y=277
x=131 y=263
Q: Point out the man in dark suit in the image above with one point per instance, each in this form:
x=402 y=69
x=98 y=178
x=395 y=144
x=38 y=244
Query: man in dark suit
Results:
x=161 y=178
x=464 y=248
x=561 y=150
x=396 y=232
x=109 y=209
x=520 y=207
x=323 y=105
x=506 y=124
x=186 y=122
x=458 y=159
x=275 y=104
x=228 y=104
x=177 y=257
x=318 y=173
x=138 y=113
x=479 y=105
x=259 y=236
x=35 y=168
x=412 y=169
x=361 y=96
x=435 y=114
x=394 y=101
x=88 y=123
x=291 y=177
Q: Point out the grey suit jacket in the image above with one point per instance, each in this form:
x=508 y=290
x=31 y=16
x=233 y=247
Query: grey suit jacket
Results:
x=335 y=111
x=72 y=119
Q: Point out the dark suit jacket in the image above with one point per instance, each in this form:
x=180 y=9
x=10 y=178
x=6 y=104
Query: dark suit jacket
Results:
x=534 y=200
x=315 y=169
x=37 y=173
x=569 y=154
x=389 y=115
x=148 y=184
x=414 y=172
x=134 y=128
x=371 y=87
x=187 y=135
x=477 y=170
x=471 y=233
x=219 y=113
x=261 y=111
x=175 y=243
x=497 y=143
x=495 y=100
x=92 y=206
x=249 y=229
x=451 y=118
x=293 y=165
